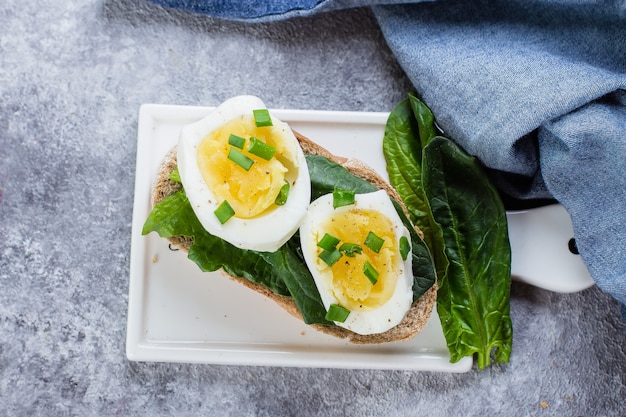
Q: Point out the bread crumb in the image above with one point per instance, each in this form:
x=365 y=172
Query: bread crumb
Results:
x=544 y=404
x=155 y=259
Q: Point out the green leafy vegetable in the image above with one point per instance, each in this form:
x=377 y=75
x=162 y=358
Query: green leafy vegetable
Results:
x=403 y=153
x=473 y=301
x=425 y=120
x=289 y=265
x=404 y=247
x=451 y=199
x=174 y=216
x=326 y=176
x=175 y=175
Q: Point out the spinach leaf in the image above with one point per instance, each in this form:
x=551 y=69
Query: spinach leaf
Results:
x=291 y=267
x=464 y=223
x=473 y=300
x=327 y=175
x=403 y=152
x=174 y=216
x=425 y=120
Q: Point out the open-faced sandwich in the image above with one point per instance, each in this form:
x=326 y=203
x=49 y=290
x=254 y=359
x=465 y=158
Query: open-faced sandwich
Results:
x=324 y=237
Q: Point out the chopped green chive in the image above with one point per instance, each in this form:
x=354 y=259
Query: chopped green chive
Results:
x=374 y=242
x=262 y=117
x=175 y=175
x=224 y=212
x=350 y=249
x=240 y=159
x=370 y=272
x=330 y=257
x=236 y=141
x=405 y=247
x=261 y=149
x=328 y=242
x=342 y=197
x=281 y=198
x=337 y=313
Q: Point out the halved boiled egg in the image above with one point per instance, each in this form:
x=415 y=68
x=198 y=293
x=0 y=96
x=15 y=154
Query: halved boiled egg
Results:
x=359 y=255
x=245 y=175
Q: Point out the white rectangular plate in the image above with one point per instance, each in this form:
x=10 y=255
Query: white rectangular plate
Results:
x=176 y=313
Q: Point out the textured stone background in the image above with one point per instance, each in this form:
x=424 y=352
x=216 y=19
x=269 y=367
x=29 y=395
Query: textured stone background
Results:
x=72 y=77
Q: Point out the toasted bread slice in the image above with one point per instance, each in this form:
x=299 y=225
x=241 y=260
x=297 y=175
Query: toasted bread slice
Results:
x=420 y=310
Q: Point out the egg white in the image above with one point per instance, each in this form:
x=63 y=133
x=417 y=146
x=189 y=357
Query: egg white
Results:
x=266 y=232
x=392 y=312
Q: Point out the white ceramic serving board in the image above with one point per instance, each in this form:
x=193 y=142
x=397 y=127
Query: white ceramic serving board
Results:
x=176 y=313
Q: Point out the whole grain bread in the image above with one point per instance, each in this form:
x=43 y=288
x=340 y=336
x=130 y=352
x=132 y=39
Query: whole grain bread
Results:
x=415 y=319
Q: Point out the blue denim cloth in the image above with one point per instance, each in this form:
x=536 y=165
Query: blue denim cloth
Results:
x=269 y=10
x=535 y=88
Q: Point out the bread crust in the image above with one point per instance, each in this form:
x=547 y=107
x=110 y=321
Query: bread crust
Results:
x=419 y=312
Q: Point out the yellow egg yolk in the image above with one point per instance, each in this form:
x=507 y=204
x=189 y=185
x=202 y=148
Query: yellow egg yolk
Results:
x=350 y=285
x=250 y=193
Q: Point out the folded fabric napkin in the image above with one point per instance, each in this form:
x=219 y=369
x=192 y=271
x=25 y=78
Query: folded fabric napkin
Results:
x=536 y=89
